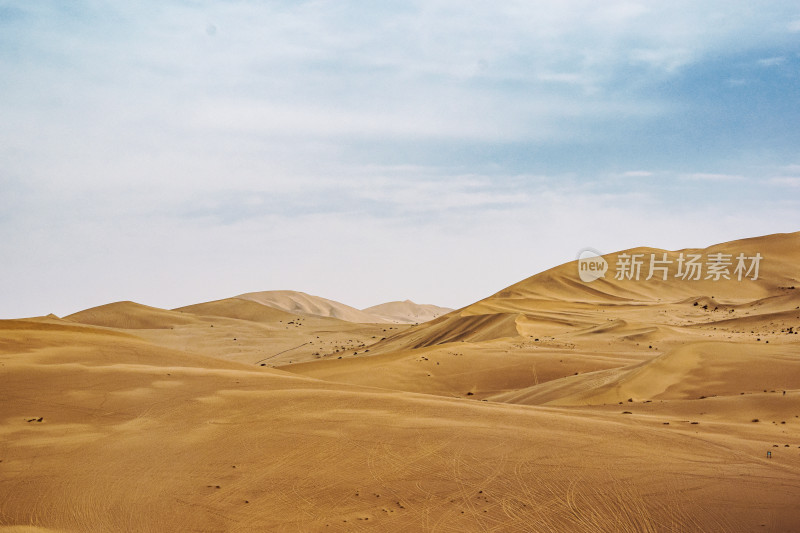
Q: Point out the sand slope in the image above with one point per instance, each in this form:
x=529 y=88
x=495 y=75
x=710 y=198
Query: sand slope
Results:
x=696 y=370
x=778 y=269
x=239 y=309
x=148 y=439
x=129 y=315
x=558 y=302
x=238 y=329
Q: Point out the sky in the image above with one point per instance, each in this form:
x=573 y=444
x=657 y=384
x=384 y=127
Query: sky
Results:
x=172 y=152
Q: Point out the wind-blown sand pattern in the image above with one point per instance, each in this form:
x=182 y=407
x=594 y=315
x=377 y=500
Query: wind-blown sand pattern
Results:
x=553 y=405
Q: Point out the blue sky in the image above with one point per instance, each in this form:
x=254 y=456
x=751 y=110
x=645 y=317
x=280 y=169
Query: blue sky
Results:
x=176 y=152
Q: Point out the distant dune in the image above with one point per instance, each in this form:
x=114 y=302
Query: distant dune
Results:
x=407 y=312
x=130 y=315
x=305 y=304
x=238 y=308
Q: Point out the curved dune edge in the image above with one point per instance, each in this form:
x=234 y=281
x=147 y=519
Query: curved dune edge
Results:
x=688 y=372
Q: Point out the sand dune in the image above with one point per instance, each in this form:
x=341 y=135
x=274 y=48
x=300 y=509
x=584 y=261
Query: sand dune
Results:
x=778 y=270
x=407 y=312
x=239 y=309
x=466 y=370
x=453 y=328
x=552 y=405
x=154 y=440
x=239 y=329
x=249 y=332
x=699 y=369
x=557 y=302
x=129 y=315
x=305 y=304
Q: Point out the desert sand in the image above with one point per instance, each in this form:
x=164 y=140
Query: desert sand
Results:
x=407 y=312
x=553 y=405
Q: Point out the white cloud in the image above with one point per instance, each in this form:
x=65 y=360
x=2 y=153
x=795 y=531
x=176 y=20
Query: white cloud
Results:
x=785 y=181
x=772 y=61
x=637 y=174
x=666 y=59
x=705 y=176
x=736 y=82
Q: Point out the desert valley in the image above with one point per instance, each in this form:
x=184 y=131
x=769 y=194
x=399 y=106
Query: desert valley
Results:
x=621 y=404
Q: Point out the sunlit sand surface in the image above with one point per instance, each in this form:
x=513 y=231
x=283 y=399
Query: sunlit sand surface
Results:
x=553 y=405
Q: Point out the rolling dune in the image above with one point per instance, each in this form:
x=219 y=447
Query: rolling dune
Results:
x=130 y=315
x=305 y=304
x=407 y=312
x=553 y=405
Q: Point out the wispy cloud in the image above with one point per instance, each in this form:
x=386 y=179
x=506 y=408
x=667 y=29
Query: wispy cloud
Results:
x=772 y=61
x=785 y=181
x=736 y=82
x=637 y=174
x=706 y=176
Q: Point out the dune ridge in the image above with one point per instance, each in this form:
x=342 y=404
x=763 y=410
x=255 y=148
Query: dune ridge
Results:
x=305 y=304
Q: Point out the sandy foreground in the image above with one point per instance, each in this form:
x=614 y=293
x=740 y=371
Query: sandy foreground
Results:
x=553 y=405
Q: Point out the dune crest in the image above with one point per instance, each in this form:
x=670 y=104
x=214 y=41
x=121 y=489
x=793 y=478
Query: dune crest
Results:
x=407 y=312
x=306 y=304
x=129 y=315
